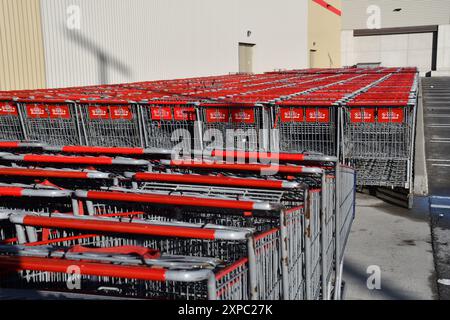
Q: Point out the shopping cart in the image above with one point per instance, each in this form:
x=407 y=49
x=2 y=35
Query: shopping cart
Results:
x=39 y=197
x=146 y=276
x=276 y=191
x=11 y=124
x=345 y=193
x=226 y=211
x=323 y=182
x=50 y=121
x=373 y=132
x=109 y=123
x=170 y=124
x=235 y=127
x=304 y=127
x=378 y=142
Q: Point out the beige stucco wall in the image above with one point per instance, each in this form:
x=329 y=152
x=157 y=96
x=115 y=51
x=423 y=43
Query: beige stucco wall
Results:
x=21 y=45
x=324 y=35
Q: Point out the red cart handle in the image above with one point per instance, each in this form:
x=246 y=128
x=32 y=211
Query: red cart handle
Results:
x=261 y=168
x=212 y=180
x=15 y=263
x=75 y=160
x=60 y=174
x=177 y=200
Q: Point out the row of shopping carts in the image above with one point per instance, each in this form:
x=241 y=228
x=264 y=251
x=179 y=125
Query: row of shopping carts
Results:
x=136 y=223
x=366 y=117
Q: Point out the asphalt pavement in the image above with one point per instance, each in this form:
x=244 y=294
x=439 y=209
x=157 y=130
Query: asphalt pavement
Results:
x=395 y=240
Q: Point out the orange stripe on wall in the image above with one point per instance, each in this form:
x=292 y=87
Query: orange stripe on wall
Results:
x=328 y=6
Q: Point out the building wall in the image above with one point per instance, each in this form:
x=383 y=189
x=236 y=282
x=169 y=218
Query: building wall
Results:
x=402 y=50
x=414 y=13
x=398 y=49
x=324 y=35
x=137 y=40
x=443 y=52
x=21 y=48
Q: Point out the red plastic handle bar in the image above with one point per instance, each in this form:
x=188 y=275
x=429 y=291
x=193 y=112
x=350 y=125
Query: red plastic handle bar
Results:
x=259 y=156
x=9 y=145
x=212 y=180
x=175 y=200
x=118 y=227
x=228 y=105
x=11 y=191
x=14 y=263
x=102 y=150
x=240 y=167
x=37 y=173
x=174 y=103
x=68 y=160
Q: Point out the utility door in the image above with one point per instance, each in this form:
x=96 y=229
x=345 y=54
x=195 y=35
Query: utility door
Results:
x=246 y=57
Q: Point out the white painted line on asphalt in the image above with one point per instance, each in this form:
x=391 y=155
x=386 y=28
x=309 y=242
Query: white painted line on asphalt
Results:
x=440 y=141
x=440 y=165
x=438 y=126
x=438 y=160
x=440 y=206
x=445 y=282
x=435 y=115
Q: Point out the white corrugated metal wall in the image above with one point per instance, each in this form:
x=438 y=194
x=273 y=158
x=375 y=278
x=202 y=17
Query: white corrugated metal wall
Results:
x=137 y=40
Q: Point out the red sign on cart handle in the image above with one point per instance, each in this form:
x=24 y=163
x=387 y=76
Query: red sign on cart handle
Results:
x=243 y=116
x=36 y=111
x=161 y=113
x=8 y=110
x=98 y=112
x=217 y=115
x=390 y=115
x=184 y=114
x=59 y=112
x=317 y=115
x=121 y=112
x=292 y=115
x=362 y=115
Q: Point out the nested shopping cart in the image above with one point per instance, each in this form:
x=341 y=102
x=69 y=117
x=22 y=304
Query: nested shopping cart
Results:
x=307 y=126
x=64 y=178
x=11 y=124
x=51 y=121
x=235 y=126
x=176 y=245
x=287 y=225
x=111 y=123
x=378 y=139
x=290 y=194
x=124 y=274
x=323 y=175
x=38 y=197
x=170 y=124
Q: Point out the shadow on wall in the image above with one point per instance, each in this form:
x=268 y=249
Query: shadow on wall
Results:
x=105 y=61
